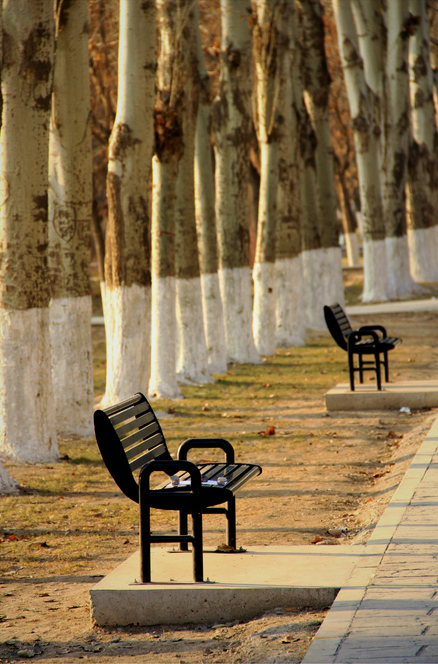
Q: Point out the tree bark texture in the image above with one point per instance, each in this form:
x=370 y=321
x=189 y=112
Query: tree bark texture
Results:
x=169 y=147
x=25 y=385
x=395 y=151
x=290 y=324
x=127 y=260
x=422 y=185
x=206 y=224
x=231 y=118
x=192 y=361
x=70 y=208
x=316 y=94
x=268 y=51
x=365 y=114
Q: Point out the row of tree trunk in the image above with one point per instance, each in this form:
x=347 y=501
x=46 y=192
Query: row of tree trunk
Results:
x=180 y=299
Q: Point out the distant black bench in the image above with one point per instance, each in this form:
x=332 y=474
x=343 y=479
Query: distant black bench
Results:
x=129 y=437
x=367 y=340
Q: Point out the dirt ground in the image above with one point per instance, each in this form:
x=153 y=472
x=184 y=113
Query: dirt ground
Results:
x=339 y=473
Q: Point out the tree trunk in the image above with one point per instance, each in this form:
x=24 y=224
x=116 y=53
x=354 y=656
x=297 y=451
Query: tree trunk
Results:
x=349 y=223
x=206 y=227
x=395 y=151
x=192 y=361
x=169 y=148
x=422 y=183
x=267 y=55
x=70 y=196
x=163 y=315
x=26 y=398
x=312 y=257
x=290 y=322
x=317 y=85
x=231 y=115
x=366 y=127
x=7 y=484
x=127 y=263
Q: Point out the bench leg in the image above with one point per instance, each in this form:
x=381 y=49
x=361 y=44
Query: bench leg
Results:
x=378 y=376
x=198 y=562
x=145 y=544
x=351 y=370
x=385 y=365
x=231 y=523
x=183 y=530
x=360 y=369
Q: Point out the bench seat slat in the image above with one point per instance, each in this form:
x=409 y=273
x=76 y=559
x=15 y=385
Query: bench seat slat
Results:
x=236 y=474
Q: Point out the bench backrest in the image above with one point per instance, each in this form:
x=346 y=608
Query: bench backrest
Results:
x=129 y=435
x=338 y=324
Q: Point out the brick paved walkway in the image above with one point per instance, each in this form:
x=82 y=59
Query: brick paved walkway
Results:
x=390 y=614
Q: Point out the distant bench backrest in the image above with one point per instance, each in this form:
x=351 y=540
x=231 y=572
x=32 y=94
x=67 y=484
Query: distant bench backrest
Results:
x=338 y=324
x=129 y=435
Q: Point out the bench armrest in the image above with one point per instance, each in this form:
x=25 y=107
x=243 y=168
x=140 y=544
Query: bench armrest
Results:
x=198 y=443
x=359 y=334
x=367 y=328
x=170 y=468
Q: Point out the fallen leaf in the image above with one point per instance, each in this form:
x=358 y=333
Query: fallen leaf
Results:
x=12 y=538
x=316 y=539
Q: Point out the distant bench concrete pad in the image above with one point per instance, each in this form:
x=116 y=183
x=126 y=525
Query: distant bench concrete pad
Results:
x=242 y=585
x=393 y=396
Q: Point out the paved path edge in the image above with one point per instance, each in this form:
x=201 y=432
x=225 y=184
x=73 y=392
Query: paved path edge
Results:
x=336 y=625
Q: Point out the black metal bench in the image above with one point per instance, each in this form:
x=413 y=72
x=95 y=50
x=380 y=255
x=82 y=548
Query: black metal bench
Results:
x=130 y=438
x=367 y=340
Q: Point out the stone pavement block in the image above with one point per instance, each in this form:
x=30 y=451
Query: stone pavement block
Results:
x=387 y=651
x=407 y=578
x=382 y=605
x=325 y=653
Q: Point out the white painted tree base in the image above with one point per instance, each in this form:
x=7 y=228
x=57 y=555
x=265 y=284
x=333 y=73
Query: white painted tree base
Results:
x=236 y=292
x=374 y=271
x=352 y=249
x=72 y=365
x=7 y=484
x=332 y=276
x=314 y=288
x=127 y=328
x=163 y=383
x=27 y=415
x=213 y=323
x=263 y=317
x=423 y=254
x=192 y=361
x=290 y=326
x=400 y=282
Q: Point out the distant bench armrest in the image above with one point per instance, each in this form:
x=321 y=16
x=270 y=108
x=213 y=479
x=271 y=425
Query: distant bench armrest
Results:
x=211 y=443
x=367 y=328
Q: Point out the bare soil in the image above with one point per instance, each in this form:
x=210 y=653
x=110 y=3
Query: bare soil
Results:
x=321 y=472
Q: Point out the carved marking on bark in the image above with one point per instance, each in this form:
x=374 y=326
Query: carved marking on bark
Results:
x=64 y=221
